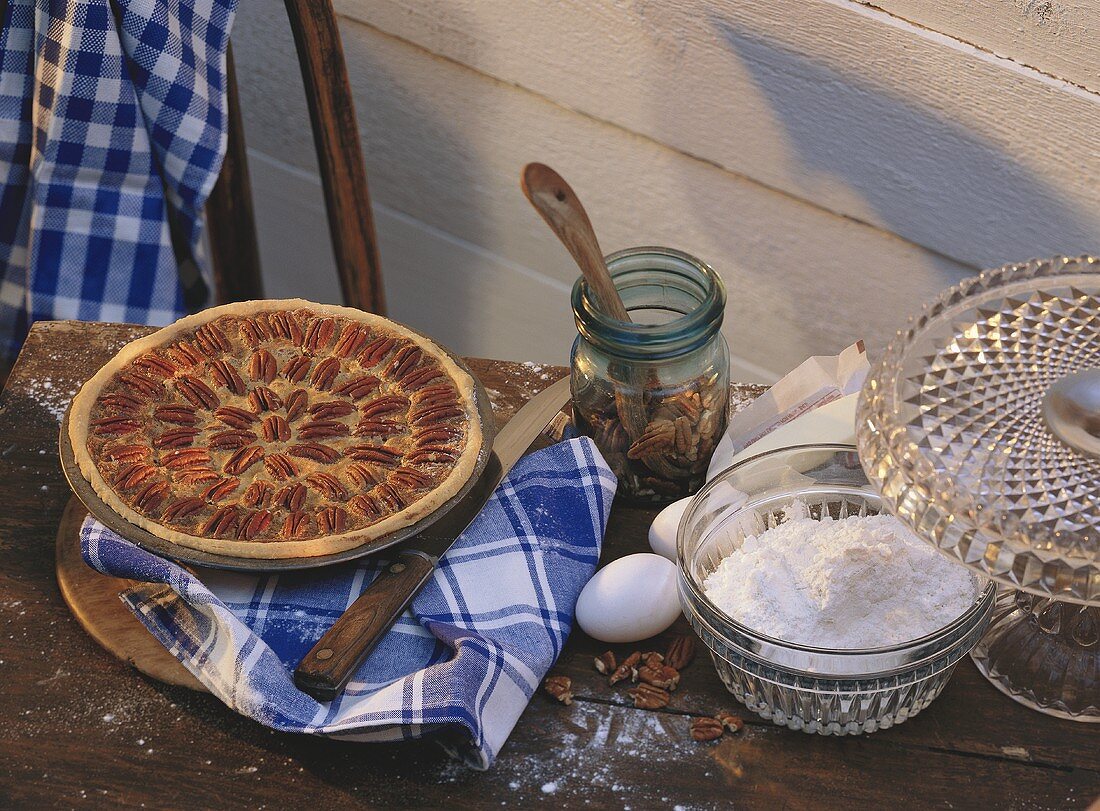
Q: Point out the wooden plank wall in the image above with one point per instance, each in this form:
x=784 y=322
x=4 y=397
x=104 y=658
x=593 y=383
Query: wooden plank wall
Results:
x=837 y=161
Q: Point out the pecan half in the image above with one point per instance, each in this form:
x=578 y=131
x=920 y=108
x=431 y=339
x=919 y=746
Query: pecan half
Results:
x=186 y=458
x=258 y=494
x=196 y=392
x=404 y=360
x=378 y=428
x=235 y=417
x=119 y=401
x=658 y=435
x=114 y=426
x=652 y=659
x=222 y=522
x=253 y=524
x=280 y=466
x=358 y=387
x=410 y=479
x=605 y=663
x=156 y=366
x=146 y=385
x=176 y=438
x=254 y=332
x=731 y=722
x=319 y=332
x=314 y=451
x=420 y=377
x=292 y=496
x=434 y=434
x=362 y=476
x=262 y=366
x=193 y=476
x=221 y=489
x=648 y=697
x=296 y=368
x=374 y=352
x=351 y=340
x=184 y=354
x=151 y=495
x=276 y=428
x=368 y=505
x=444 y=398
x=431 y=455
x=681 y=650
x=126 y=453
x=435 y=414
x=296 y=525
x=684 y=436
x=321 y=429
x=176 y=414
x=211 y=339
x=661 y=676
x=628 y=669
x=331 y=409
x=224 y=440
x=389 y=497
x=242 y=459
x=296 y=403
x=686 y=404
x=379 y=454
x=560 y=687
x=705 y=729
x=327 y=485
x=332 y=519
x=324 y=374
x=131 y=476
x=225 y=374
x=285 y=325
x=433 y=395
x=383 y=405
x=262 y=398
x=183 y=508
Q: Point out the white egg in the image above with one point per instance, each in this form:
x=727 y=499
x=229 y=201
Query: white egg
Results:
x=662 y=532
x=629 y=599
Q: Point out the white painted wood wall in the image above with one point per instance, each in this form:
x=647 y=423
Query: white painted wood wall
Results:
x=838 y=162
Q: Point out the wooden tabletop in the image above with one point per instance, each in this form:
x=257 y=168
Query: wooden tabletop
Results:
x=82 y=729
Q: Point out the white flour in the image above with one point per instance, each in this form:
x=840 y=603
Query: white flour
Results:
x=850 y=583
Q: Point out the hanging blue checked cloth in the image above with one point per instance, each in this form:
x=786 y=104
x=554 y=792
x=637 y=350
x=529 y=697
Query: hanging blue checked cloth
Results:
x=112 y=133
x=463 y=661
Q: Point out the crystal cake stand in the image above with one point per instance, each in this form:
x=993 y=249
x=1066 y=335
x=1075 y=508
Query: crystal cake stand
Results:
x=980 y=426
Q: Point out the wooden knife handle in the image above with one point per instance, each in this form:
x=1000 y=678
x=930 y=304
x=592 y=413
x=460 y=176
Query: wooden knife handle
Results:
x=327 y=667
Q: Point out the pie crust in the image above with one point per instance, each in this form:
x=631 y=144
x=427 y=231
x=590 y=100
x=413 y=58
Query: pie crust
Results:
x=277 y=429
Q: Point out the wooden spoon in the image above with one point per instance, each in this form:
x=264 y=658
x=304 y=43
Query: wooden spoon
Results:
x=559 y=205
x=561 y=208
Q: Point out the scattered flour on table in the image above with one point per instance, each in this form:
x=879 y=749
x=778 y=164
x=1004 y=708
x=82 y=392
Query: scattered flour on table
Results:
x=856 y=582
x=595 y=755
x=51 y=396
x=537 y=368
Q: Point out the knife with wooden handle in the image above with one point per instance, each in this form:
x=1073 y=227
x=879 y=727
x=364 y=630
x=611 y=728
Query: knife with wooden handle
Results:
x=337 y=655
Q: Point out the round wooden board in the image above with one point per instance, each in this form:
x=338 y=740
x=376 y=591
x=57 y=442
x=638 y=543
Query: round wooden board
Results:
x=93 y=599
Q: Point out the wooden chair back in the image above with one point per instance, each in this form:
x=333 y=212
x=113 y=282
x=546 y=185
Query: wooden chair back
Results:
x=230 y=216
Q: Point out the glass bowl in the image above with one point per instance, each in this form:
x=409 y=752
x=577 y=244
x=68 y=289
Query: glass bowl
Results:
x=816 y=690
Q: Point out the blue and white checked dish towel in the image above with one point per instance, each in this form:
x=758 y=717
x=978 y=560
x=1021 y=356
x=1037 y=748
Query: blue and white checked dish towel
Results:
x=112 y=133
x=466 y=658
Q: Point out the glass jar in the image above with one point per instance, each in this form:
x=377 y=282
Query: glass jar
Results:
x=653 y=393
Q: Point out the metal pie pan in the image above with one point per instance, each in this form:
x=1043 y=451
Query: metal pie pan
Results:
x=182 y=554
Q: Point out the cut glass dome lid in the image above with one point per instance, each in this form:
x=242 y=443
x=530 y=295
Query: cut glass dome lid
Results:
x=956 y=425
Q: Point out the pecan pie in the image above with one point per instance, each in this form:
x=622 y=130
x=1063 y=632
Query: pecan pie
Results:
x=273 y=429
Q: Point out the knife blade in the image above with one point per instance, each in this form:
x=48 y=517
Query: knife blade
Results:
x=325 y=670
